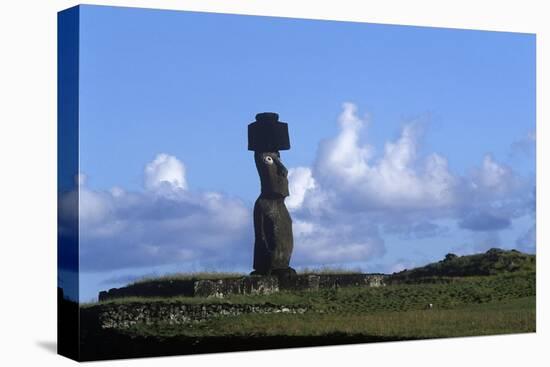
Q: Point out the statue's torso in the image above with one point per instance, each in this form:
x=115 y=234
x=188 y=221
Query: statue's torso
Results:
x=273 y=229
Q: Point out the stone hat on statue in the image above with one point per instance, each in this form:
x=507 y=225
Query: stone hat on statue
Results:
x=268 y=134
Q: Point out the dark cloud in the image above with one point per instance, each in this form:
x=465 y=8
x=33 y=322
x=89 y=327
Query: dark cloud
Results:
x=416 y=230
x=484 y=221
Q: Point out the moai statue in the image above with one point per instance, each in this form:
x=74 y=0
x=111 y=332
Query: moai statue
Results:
x=272 y=223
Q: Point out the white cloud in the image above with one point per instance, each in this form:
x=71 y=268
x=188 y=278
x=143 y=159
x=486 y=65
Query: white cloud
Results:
x=300 y=182
x=492 y=176
x=117 y=191
x=165 y=170
x=339 y=206
x=398 y=190
x=144 y=229
x=93 y=207
x=335 y=241
x=398 y=179
x=342 y=157
x=120 y=229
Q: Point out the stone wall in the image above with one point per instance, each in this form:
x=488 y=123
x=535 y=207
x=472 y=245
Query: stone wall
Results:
x=220 y=288
x=324 y=281
x=245 y=285
x=125 y=315
x=154 y=288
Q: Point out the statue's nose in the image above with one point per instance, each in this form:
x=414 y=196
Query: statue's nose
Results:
x=281 y=169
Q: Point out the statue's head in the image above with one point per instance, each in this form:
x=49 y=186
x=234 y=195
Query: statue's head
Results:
x=273 y=174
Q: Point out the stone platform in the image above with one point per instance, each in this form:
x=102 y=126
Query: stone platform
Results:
x=254 y=284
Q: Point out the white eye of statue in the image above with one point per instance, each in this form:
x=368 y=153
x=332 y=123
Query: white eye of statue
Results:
x=268 y=160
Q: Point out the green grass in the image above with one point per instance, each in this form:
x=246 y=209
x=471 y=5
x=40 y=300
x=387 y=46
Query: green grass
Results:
x=511 y=316
x=493 y=262
x=400 y=297
x=483 y=294
x=481 y=305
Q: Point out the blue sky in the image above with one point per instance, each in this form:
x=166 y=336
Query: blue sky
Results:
x=407 y=142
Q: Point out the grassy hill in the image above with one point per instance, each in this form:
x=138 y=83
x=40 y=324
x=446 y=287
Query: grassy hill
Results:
x=483 y=294
x=397 y=297
x=493 y=262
